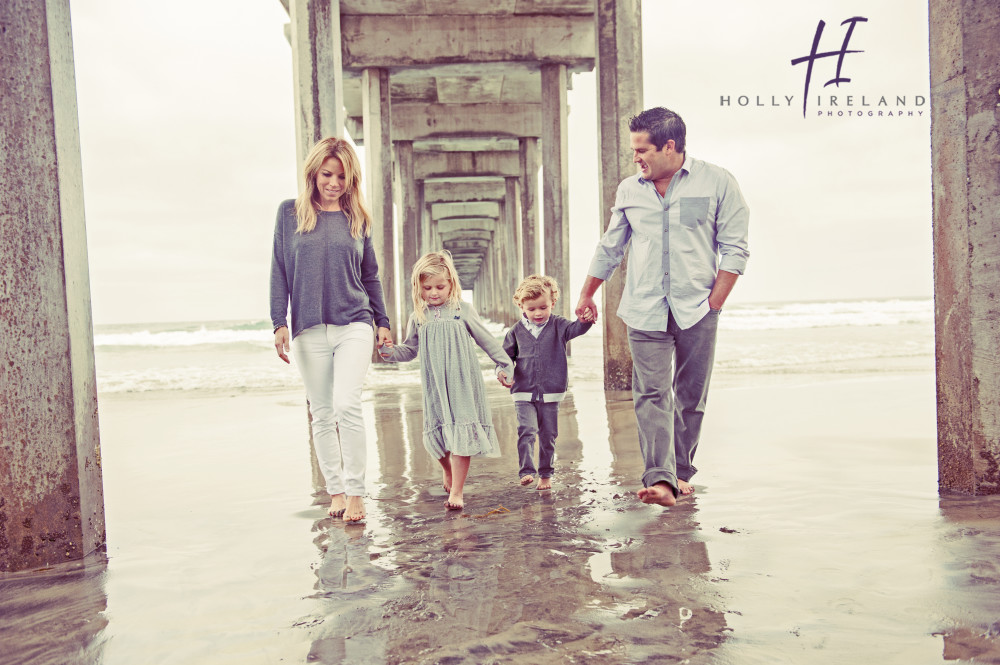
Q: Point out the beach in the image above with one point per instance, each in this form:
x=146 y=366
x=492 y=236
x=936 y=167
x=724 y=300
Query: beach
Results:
x=816 y=533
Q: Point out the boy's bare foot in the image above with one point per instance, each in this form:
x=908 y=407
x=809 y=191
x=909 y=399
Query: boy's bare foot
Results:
x=337 y=505
x=544 y=483
x=684 y=487
x=455 y=502
x=661 y=494
x=355 y=510
x=527 y=480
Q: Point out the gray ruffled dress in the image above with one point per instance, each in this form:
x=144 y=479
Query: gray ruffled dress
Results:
x=457 y=417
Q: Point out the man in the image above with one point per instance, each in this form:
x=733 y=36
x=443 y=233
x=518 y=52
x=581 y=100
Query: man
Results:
x=686 y=223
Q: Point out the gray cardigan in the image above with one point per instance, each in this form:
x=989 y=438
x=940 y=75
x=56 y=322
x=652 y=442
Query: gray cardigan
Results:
x=540 y=370
x=327 y=275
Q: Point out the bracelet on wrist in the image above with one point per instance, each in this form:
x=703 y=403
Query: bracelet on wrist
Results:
x=277 y=328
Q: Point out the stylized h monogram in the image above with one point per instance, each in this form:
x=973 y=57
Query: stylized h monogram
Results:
x=813 y=56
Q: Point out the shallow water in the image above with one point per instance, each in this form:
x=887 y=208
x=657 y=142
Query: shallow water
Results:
x=816 y=535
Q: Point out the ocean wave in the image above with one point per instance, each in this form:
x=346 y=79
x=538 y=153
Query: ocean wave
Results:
x=862 y=313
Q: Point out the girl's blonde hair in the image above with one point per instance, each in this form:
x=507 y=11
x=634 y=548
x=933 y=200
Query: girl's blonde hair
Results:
x=434 y=264
x=534 y=286
x=352 y=201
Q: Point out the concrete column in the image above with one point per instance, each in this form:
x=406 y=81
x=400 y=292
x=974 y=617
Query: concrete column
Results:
x=619 y=96
x=555 y=176
x=410 y=227
x=513 y=257
x=423 y=227
x=378 y=154
x=51 y=492
x=316 y=72
x=965 y=135
x=530 y=222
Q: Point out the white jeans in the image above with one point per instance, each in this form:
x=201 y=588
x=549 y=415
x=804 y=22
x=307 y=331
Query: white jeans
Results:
x=333 y=361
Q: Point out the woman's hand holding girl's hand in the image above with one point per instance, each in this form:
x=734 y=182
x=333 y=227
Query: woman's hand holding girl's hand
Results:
x=281 y=338
x=384 y=342
x=384 y=337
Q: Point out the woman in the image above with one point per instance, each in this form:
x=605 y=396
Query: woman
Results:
x=324 y=265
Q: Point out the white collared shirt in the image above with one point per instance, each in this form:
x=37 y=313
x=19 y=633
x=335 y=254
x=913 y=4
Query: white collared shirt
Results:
x=679 y=242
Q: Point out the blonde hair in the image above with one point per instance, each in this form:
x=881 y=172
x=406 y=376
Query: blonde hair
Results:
x=434 y=264
x=535 y=286
x=352 y=202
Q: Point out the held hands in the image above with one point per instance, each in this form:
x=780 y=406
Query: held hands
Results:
x=504 y=381
x=384 y=343
x=281 y=337
x=586 y=309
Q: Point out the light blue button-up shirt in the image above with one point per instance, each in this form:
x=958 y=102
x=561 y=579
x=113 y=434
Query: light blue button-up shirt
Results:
x=679 y=242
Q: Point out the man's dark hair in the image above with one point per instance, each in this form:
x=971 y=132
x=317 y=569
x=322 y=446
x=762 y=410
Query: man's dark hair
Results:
x=662 y=125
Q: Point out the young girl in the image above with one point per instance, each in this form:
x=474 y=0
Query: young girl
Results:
x=457 y=420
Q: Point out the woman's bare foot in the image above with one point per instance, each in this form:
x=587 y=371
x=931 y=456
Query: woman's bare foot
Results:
x=544 y=483
x=455 y=502
x=337 y=505
x=684 y=487
x=527 y=480
x=661 y=494
x=355 y=510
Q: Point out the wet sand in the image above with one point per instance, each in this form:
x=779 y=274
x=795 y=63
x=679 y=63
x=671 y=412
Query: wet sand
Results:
x=816 y=535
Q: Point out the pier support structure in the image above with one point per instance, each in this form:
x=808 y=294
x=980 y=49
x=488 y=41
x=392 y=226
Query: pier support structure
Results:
x=51 y=492
x=965 y=137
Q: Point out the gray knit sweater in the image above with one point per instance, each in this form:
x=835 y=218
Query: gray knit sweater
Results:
x=541 y=373
x=327 y=275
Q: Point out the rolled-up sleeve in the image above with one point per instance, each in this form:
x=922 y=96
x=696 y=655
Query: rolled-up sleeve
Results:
x=611 y=250
x=732 y=227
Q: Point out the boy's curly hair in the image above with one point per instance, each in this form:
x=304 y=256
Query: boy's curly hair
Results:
x=534 y=286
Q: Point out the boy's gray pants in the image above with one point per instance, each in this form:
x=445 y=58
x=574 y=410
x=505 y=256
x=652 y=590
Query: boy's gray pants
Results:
x=670 y=404
x=539 y=419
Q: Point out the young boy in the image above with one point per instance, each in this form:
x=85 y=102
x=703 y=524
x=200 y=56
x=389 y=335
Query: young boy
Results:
x=537 y=345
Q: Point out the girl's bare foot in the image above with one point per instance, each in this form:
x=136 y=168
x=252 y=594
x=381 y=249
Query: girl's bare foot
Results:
x=544 y=483
x=661 y=494
x=445 y=463
x=684 y=487
x=355 y=510
x=527 y=480
x=337 y=505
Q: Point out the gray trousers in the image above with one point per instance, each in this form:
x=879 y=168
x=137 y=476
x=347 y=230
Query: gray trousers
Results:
x=539 y=419
x=670 y=403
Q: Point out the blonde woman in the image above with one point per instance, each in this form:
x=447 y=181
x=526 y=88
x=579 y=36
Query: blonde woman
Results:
x=324 y=266
x=457 y=420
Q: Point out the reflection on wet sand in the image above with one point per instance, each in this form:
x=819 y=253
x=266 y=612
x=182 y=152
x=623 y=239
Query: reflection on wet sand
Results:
x=819 y=541
x=54 y=617
x=579 y=573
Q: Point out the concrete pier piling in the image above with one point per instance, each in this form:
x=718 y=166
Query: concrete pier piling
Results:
x=51 y=492
x=965 y=137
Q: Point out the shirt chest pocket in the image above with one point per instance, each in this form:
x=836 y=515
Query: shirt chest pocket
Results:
x=694 y=211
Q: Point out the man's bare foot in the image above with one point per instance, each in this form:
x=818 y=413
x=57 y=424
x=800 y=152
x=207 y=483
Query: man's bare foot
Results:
x=355 y=510
x=661 y=494
x=527 y=480
x=544 y=483
x=684 y=487
x=337 y=505
x=455 y=502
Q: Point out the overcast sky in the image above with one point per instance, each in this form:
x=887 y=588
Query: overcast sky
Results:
x=187 y=135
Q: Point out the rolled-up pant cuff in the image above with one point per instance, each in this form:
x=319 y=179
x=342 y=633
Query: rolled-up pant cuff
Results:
x=660 y=475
